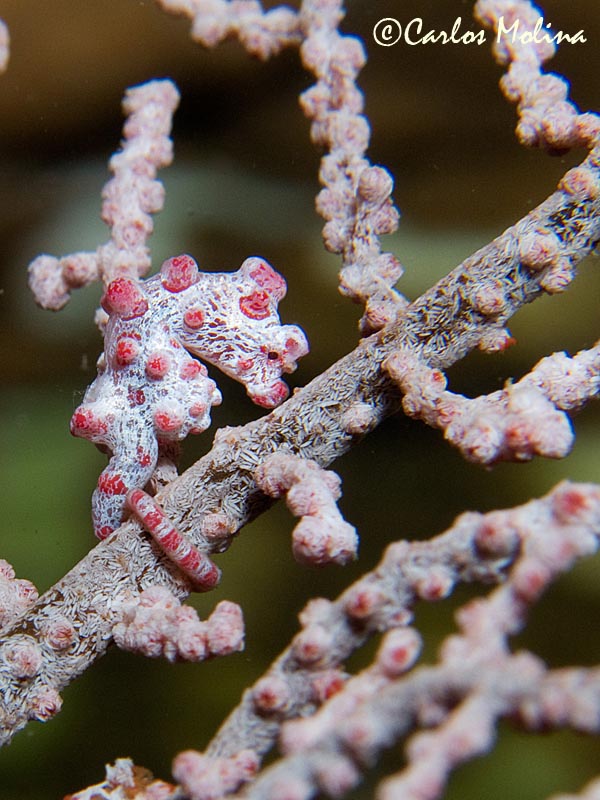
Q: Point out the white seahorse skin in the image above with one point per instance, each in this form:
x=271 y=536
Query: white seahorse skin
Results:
x=150 y=392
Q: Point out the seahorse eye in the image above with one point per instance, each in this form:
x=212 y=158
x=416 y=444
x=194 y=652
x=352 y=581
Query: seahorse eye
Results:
x=272 y=355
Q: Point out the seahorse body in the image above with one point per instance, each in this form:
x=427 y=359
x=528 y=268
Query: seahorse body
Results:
x=151 y=392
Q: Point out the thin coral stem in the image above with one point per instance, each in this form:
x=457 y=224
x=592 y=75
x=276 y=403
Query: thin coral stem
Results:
x=130 y=198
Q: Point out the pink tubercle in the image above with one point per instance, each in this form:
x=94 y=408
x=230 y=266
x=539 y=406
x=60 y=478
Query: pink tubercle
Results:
x=127 y=350
x=193 y=318
x=268 y=279
x=256 y=305
x=192 y=369
x=167 y=421
x=124 y=298
x=179 y=273
x=157 y=365
x=85 y=423
x=275 y=395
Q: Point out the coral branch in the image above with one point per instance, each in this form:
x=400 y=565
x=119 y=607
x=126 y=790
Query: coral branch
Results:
x=470 y=306
x=356 y=198
x=156 y=624
x=547 y=118
x=398 y=652
x=514 y=424
x=16 y=594
x=542 y=538
x=130 y=198
x=321 y=536
x=206 y=778
x=262 y=33
x=478 y=679
x=468 y=731
x=521 y=683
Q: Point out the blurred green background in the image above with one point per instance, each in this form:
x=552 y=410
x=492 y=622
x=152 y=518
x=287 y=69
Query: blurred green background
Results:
x=243 y=182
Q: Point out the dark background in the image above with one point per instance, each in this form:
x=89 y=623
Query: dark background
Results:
x=243 y=182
